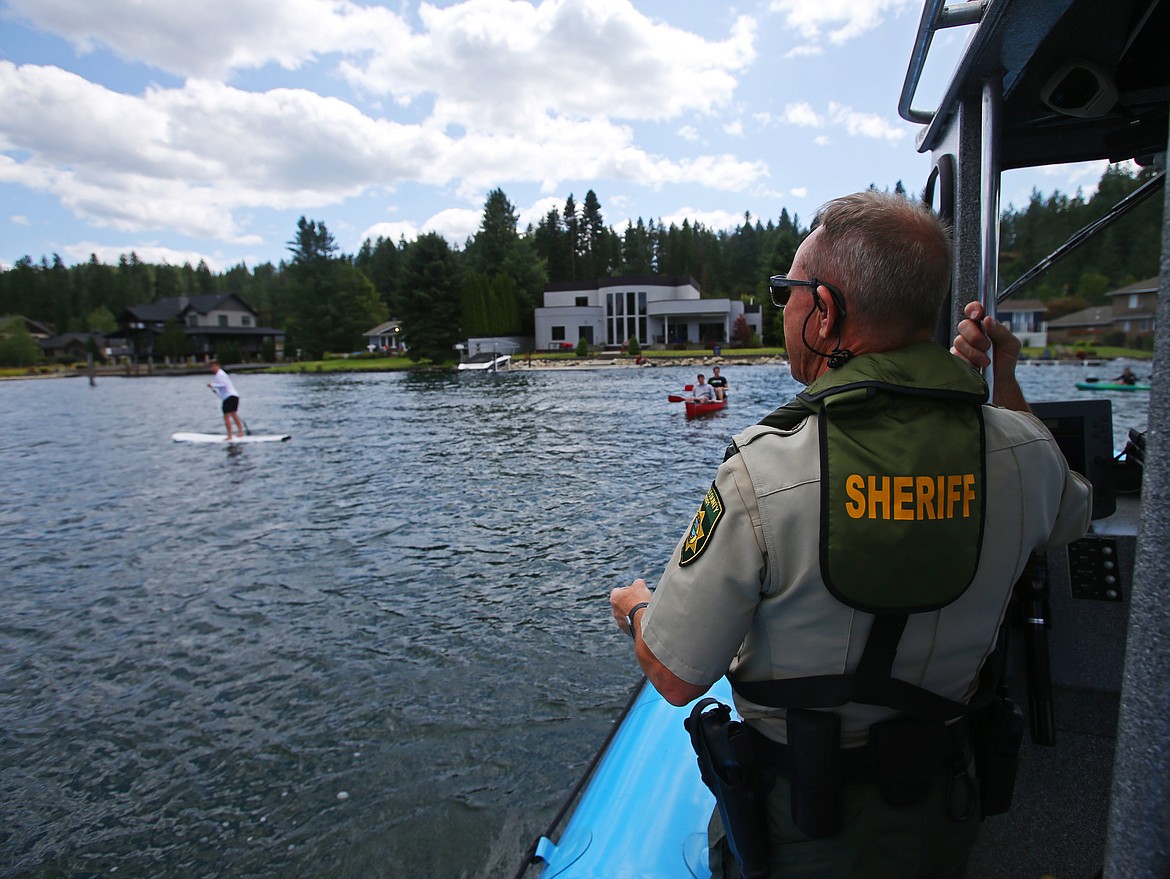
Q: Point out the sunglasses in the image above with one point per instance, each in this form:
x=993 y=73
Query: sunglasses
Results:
x=780 y=288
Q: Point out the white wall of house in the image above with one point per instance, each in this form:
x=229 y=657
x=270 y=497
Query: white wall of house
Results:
x=658 y=311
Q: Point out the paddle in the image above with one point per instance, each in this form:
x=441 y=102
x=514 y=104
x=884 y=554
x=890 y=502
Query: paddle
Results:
x=675 y=398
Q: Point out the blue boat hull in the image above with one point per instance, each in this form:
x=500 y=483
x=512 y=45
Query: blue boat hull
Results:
x=644 y=813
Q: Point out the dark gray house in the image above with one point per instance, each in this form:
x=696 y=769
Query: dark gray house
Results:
x=209 y=321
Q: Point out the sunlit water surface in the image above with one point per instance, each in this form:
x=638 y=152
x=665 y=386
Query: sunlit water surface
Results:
x=380 y=649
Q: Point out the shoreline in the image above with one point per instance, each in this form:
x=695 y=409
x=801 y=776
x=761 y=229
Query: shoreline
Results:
x=705 y=359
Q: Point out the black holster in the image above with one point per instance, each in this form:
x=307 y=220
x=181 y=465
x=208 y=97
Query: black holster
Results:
x=728 y=764
x=997 y=731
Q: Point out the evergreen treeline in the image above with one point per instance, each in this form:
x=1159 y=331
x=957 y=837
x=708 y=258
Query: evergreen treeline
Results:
x=324 y=299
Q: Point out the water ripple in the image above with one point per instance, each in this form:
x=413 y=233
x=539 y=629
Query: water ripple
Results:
x=382 y=649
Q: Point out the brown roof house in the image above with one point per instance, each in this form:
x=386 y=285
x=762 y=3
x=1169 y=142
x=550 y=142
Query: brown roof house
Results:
x=1134 y=308
x=208 y=320
x=1090 y=325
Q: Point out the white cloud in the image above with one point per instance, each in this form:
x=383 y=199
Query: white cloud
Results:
x=109 y=254
x=734 y=128
x=865 y=124
x=799 y=191
x=19 y=220
x=544 y=58
x=392 y=231
x=498 y=92
x=213 y=37
x=454 y=224
x=715 y=220
x=688 y=132
x=802 y=114
x=188 y=158
x=537 y=211
x=836 y=20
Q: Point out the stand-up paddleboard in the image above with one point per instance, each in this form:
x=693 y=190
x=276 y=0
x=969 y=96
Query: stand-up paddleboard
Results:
x=221 y=438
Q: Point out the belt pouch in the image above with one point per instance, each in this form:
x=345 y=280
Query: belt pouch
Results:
x=906 y=756
x=997 y=731
x=815 y=771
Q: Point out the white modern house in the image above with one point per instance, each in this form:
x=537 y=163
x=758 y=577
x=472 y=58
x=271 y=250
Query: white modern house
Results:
x=658 y=310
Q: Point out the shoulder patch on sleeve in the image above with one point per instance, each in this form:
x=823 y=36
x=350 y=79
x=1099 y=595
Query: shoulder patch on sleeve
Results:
x=703 y=526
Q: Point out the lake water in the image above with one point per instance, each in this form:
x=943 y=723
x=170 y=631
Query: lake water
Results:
x=382 y=649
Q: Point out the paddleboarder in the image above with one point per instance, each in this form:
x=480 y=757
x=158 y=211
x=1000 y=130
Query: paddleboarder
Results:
x=221 y=383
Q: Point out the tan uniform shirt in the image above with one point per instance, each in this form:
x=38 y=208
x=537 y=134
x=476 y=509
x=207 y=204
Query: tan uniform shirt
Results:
x=752 y=601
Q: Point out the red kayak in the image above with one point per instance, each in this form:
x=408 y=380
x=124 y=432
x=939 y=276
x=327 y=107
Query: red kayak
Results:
x=696 y=410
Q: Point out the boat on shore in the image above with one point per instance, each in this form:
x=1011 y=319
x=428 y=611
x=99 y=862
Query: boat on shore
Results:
x=490 y=361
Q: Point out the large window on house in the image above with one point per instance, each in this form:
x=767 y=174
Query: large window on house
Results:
x=711 y=333
x=223 y=320
x=582 y=302
x=625 y=317
x=245 y=320
x=558 y=334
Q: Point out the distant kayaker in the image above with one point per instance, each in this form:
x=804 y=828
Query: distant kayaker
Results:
x=222 y=385
x=702 y=392
x=1127 y=377
x=850 y=565
x=719 y=383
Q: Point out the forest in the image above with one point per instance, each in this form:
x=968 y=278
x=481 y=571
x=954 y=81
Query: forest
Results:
x=324 y=299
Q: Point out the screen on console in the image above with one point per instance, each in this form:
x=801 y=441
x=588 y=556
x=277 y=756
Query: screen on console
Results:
x=1084 y=431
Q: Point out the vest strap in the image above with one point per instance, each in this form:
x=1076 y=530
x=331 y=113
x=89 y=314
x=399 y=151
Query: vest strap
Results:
x=871 y=684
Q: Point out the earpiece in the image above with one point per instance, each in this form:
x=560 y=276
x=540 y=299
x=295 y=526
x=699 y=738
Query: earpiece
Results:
x=839 y=357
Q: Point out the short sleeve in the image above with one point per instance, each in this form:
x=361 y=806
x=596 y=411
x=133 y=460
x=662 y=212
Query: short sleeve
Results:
x=707 y=597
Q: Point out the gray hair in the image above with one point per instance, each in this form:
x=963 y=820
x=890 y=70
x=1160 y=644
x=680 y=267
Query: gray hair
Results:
x=890 y=256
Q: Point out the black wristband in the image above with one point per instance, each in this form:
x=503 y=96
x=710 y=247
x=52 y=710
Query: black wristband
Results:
x=633 y=610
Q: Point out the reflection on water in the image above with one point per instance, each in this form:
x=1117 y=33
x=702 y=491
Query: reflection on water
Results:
x=381 y=649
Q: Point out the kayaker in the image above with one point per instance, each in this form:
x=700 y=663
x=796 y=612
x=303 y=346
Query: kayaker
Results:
x=702 y=392
x=1127 y=377
x=786 y=571
x=719 y=383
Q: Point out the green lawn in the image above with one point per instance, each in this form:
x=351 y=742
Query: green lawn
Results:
x=352 y=364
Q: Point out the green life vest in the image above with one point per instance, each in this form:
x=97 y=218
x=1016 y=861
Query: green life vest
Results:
x=902 y=477
x=903 y=485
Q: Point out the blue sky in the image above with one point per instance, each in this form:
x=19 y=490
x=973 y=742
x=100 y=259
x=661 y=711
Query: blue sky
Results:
x=203 y=130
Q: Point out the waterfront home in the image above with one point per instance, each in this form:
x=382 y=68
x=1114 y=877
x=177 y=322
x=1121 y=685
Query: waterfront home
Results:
x=657 y=310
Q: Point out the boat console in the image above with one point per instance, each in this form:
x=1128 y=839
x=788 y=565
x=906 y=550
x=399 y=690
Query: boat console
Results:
x=1044 y=82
